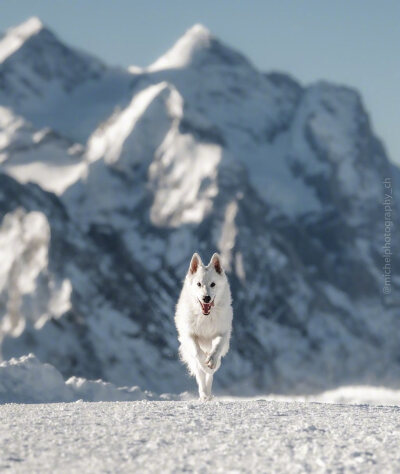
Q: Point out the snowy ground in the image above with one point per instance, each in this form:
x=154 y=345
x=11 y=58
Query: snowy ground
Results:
x=46 y=426
x=219 y=436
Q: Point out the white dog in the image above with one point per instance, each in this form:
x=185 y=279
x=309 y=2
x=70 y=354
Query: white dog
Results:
x=203 y=319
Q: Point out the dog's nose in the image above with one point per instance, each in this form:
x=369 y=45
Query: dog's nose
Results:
x=206 y=299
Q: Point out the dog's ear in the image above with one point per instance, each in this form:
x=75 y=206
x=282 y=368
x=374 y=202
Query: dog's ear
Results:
x=216 y=263
x=194 y=263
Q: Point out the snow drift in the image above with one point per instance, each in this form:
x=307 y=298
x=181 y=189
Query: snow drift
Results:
x=27 y=380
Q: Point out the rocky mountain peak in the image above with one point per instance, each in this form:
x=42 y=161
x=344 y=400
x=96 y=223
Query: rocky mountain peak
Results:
x=196 y=47
x=16 y=37
x=28 y=28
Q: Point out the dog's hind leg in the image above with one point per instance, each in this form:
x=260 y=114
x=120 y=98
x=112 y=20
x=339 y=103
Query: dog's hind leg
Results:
x=209 y=381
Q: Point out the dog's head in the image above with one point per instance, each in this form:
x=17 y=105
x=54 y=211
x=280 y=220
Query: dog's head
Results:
x=207 y=282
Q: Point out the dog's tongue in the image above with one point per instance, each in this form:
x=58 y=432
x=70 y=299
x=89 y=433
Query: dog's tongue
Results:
x=207 y=307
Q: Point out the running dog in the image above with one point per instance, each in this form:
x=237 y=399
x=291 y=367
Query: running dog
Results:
x=203 y=320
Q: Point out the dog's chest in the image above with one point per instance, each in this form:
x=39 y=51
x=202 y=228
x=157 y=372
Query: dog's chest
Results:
x=205 y=327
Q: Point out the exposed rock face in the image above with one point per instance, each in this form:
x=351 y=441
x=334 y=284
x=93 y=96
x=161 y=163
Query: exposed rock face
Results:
x=207 y=153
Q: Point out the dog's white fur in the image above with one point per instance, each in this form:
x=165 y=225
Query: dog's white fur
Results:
x=204 y=338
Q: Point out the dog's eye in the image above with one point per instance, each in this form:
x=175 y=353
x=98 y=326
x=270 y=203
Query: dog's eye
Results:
x=198 y=283
x=212 y=284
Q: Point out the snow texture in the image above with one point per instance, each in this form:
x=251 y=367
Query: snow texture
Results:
x=219 y=436
x=224 y=435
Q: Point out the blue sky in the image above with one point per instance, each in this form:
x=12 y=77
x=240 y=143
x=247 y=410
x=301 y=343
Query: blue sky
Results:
x=355 y=42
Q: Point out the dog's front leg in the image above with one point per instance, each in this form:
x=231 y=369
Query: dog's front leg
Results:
x=194 y=348
x=201 y=376
x=216 y=348
x=202 y=384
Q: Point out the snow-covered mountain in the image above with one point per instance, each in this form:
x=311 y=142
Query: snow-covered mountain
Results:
x=206 y=152
x=41 y=156
x=53 y=85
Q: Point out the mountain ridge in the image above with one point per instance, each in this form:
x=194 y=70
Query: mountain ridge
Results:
x=284 y=180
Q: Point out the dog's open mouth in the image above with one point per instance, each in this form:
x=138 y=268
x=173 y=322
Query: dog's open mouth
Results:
x=206 y=307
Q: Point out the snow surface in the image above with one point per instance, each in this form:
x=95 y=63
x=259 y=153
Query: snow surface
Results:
x=219 y=436
x=132 y=432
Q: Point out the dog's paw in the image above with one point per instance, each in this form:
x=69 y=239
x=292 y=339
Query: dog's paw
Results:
x=211 y=362
x=205 y=398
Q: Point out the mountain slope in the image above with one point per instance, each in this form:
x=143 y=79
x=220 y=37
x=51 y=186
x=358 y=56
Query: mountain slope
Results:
x=209 y=153
x=53 y=85
x=40 y=156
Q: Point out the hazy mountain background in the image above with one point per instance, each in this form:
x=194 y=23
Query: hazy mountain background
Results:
x=112 y=178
